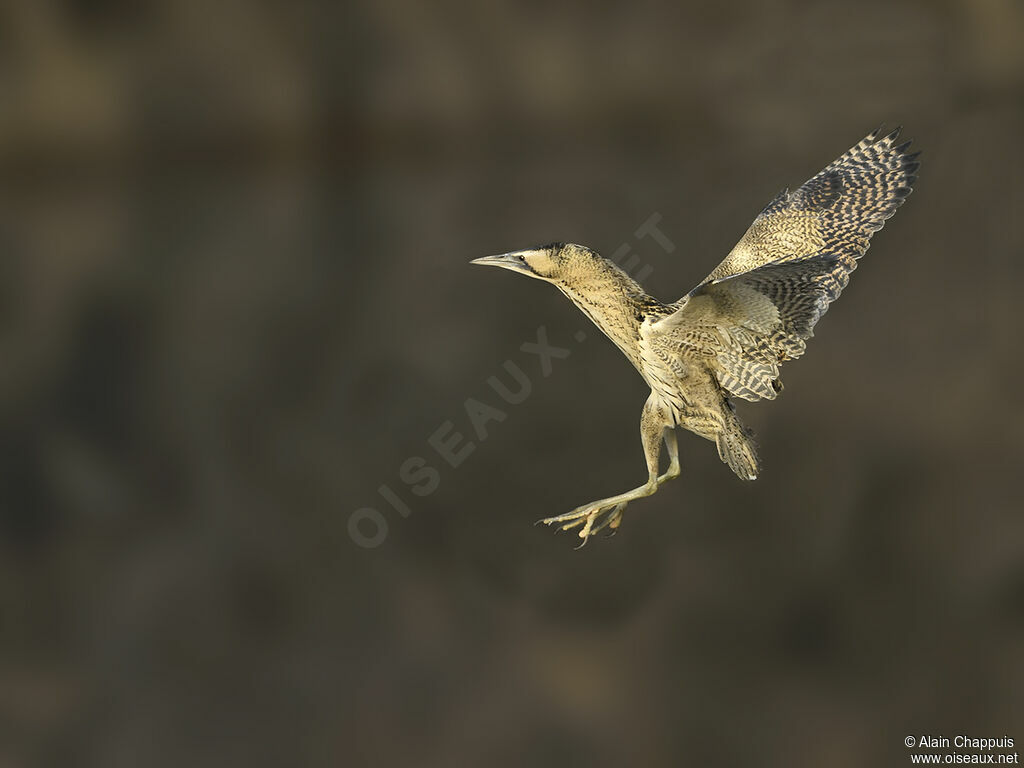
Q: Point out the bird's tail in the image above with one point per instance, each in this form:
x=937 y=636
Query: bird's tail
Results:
x=736 y=446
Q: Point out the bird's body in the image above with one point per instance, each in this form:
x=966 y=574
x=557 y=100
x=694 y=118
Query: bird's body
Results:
x=728 y=336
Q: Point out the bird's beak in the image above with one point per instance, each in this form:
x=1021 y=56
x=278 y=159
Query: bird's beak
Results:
x=514 y=261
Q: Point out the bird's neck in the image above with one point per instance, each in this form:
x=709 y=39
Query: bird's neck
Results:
x=615 y=303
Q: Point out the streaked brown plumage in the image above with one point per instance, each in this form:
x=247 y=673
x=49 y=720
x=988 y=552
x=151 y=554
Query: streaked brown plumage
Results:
x=728 y=336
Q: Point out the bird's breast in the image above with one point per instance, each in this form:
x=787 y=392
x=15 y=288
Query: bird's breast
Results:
x=664 y=369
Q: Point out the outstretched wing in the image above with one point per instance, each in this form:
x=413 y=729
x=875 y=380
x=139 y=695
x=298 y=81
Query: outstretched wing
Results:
x=833 y=213
x=760 y=305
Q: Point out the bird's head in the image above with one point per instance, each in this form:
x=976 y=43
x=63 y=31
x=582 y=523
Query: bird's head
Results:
x=553 y=263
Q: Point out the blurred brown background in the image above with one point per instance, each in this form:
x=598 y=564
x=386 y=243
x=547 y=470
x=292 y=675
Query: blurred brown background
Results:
x=236 y=300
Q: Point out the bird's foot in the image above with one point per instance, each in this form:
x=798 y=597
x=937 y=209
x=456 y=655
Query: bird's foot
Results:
x=587 y=516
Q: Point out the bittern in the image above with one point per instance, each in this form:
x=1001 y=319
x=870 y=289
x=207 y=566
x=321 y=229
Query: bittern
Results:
x=727 y=337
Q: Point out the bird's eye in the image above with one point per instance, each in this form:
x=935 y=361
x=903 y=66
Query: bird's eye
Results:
x=522 y=258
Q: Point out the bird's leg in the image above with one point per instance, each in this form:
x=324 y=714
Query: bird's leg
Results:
x=673 y=454
x=653 y=425
x=614 y=518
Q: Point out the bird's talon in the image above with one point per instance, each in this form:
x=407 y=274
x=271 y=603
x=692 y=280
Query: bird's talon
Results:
x=590 y=517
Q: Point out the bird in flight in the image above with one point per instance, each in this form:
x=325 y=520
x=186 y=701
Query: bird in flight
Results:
x=727 y=337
